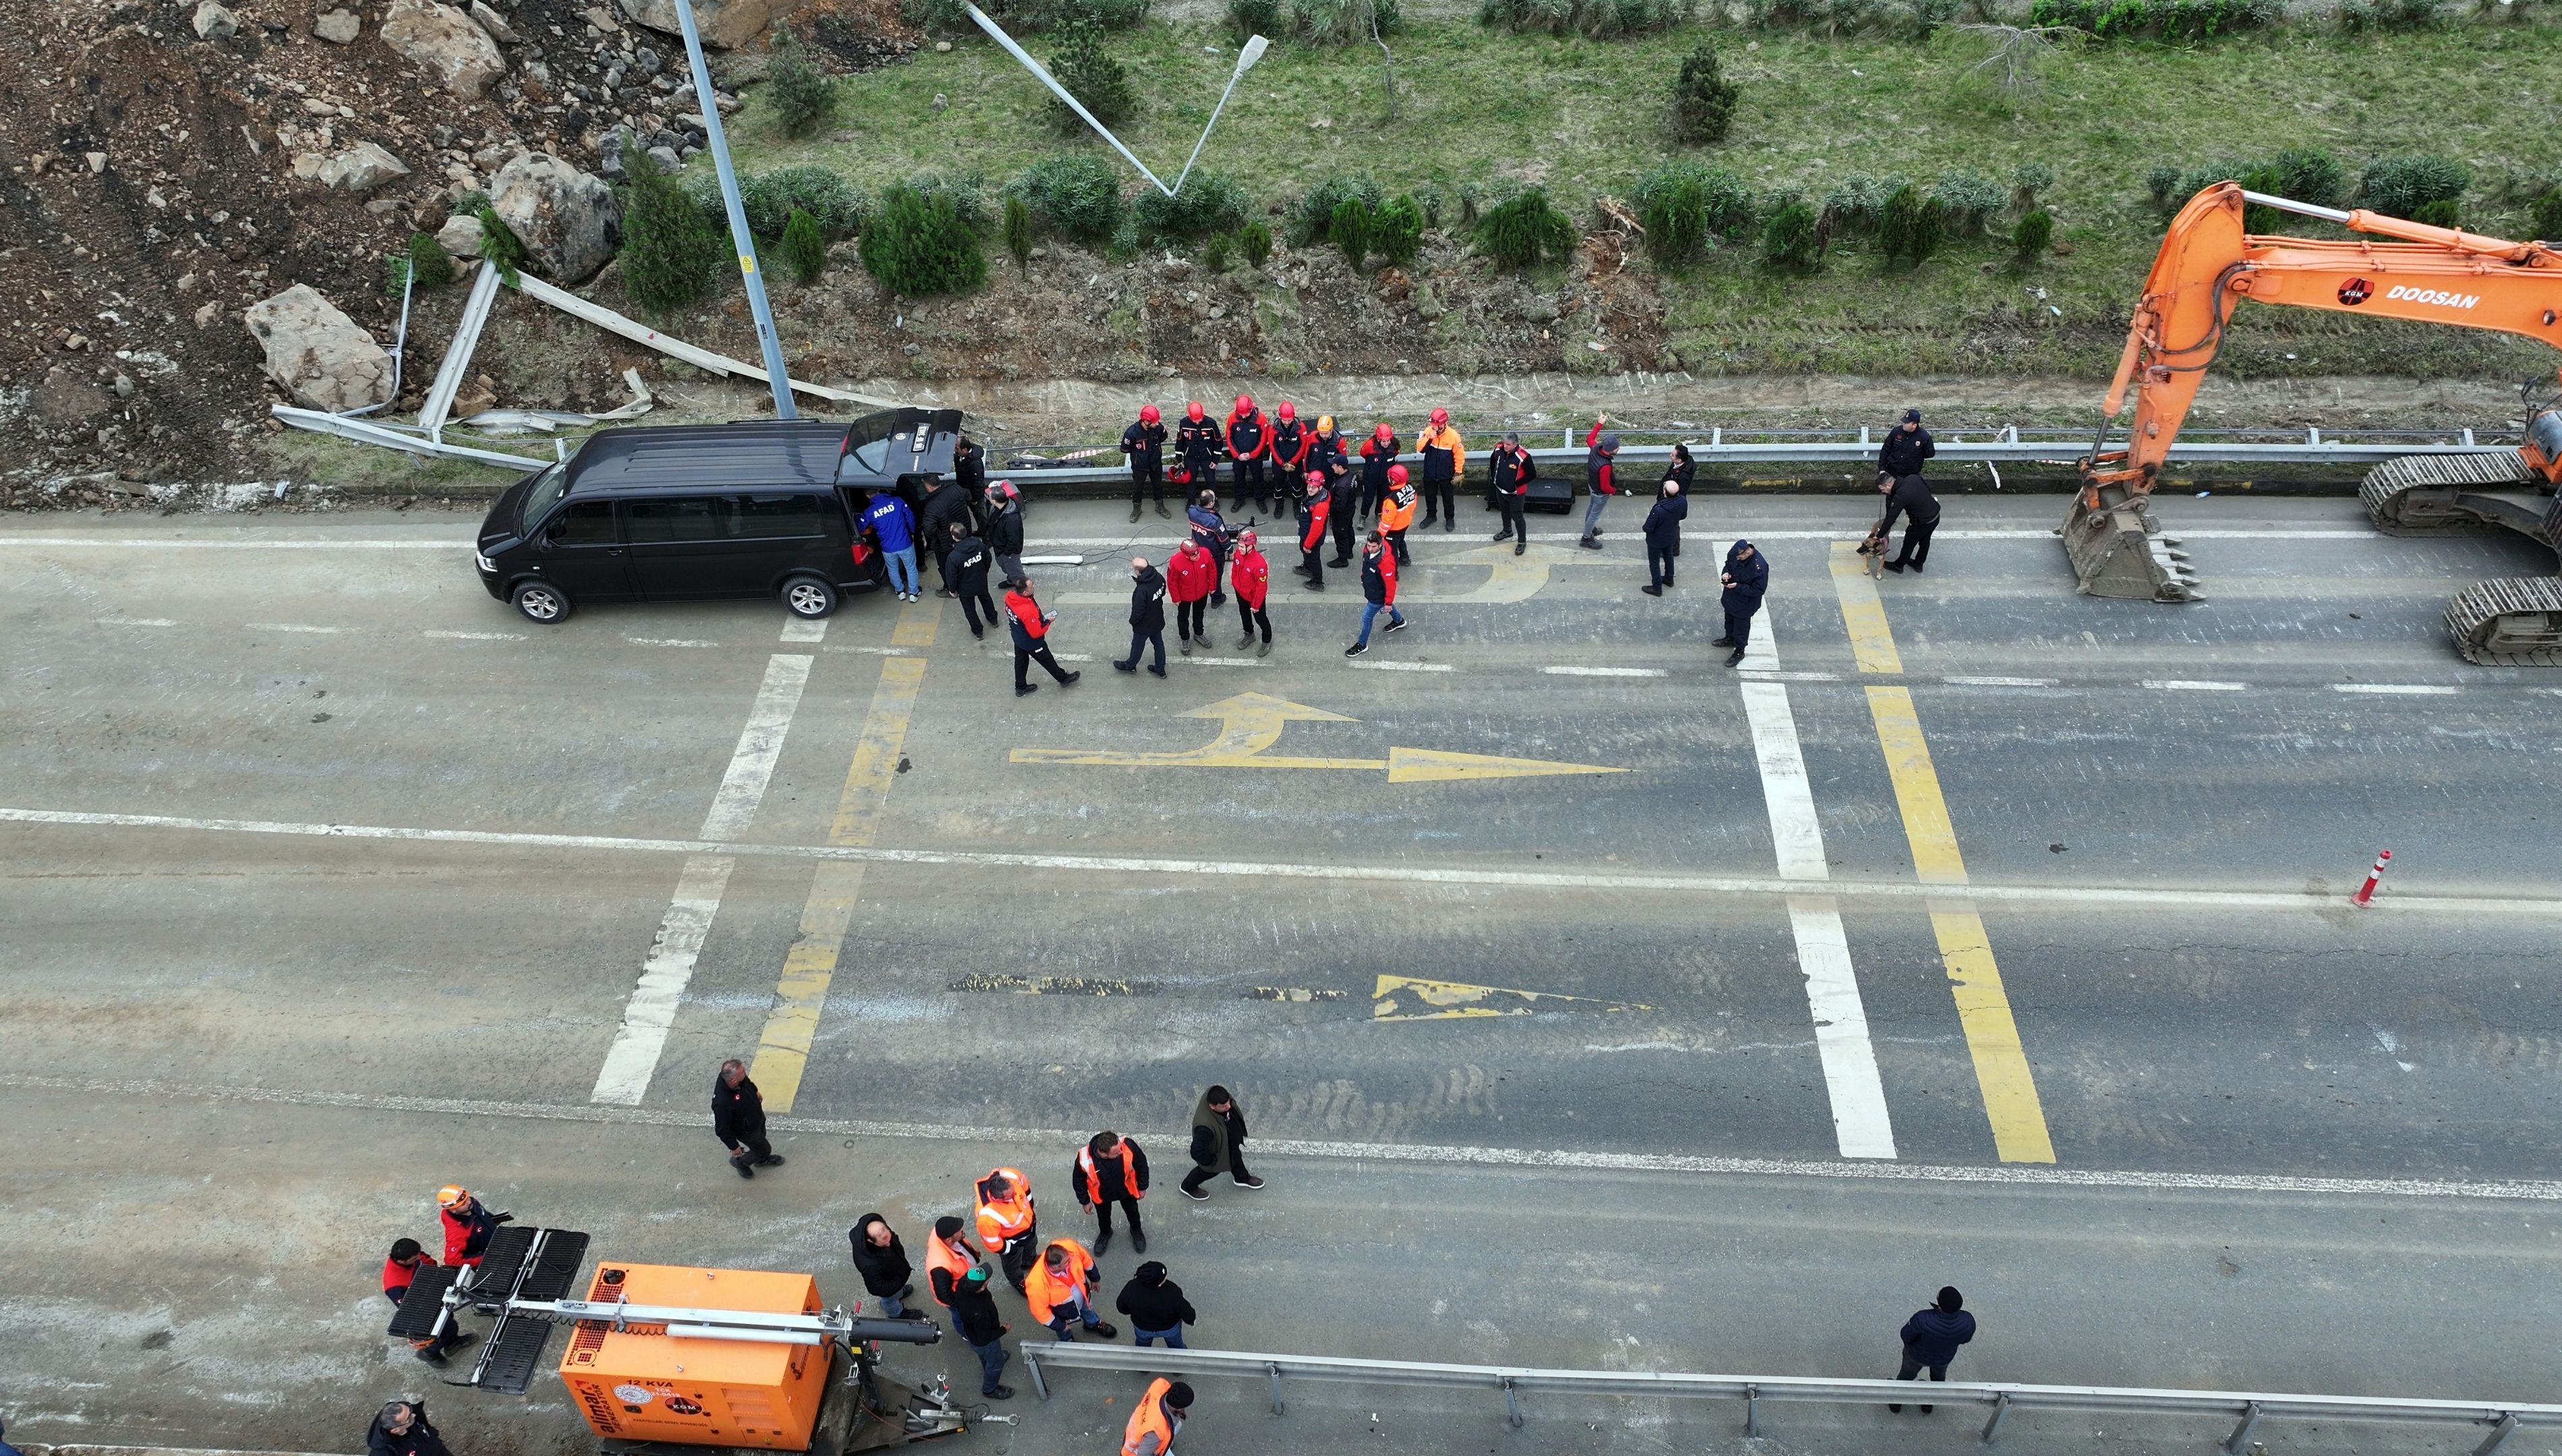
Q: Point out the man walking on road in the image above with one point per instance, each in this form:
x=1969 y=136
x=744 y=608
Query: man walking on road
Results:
x=965 y=569
x=1005 y=529
x=1931 y=1338
x=1147 y=615
x=1145 y=444
x=1155 y=1307
x=1909 y=496
x=1663 y=537
x=1600 y=448
x=1219 y=1123
x=975 y=1320
x=738 y=1120
x=1445 y=459
x=1111 y=1169
x=1031 y=627
x=1509 y=472
x=1159 y=1416
x=1008 y=1225
x=1252 y=578
x=1060 y=1291
x=882 y=1262
x=1378 y=591
x=1745 y=578
x=1190 y=575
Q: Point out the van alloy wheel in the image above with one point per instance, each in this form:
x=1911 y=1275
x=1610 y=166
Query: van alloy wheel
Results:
x=541 y=603
x=808 y=597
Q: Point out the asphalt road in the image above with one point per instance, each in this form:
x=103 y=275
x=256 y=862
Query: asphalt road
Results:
x=329 y=880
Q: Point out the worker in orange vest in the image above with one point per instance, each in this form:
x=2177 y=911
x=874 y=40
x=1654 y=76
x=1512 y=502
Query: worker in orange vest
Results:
x=1396 y=513
x=1160 y=1415
x=948 y=1259
x=1109 y=1169
x=1008 y=1225
x=1061 y=1288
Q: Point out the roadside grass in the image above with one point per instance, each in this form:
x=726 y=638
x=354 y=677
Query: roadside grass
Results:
x=1586 y=117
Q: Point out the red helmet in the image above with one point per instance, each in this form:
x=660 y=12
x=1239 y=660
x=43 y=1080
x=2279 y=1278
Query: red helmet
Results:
x=1148 y=415
x=1289 y=410
x=1193 y=411
x=1246 y=536
x=1396 y=474
x=1440 y=417
x=1244 y=405
x=1383 y=432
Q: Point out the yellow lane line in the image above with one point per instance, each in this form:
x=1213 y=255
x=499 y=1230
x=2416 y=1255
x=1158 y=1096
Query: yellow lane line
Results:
x=2011 y=1103
x=810 y=967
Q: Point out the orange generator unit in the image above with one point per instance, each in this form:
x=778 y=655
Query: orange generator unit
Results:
x=651 y=1382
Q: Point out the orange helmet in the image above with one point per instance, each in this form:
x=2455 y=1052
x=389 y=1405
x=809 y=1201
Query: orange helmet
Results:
x=1396 y=474
x=453 y=1196
x=1148 y=415
x=1440 y=417
x=1325 y=424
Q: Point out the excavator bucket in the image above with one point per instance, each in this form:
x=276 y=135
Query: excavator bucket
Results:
x=2118 y=550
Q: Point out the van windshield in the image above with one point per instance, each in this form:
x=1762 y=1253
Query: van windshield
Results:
x=540 y=496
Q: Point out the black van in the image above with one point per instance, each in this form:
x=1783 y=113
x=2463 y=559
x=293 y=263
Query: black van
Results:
x=692 y=513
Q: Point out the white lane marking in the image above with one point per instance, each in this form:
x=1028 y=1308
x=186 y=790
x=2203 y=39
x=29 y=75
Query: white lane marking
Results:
x=1569 y=671
x=874 y=651
x=2397 y=689
x=135 y=621
x=632 y=1059
x=291 y=626
x=1404 y=666
x=152 y=543
x=669 y=642
x=2171 y=897
x=806 y=630
x=760 y=743
x=2187 y=685
x=689 y=1123
x=475 y=637
x=1999 y=681
x=1073 y=656
x=1860 y=1120
x=651 y=1012
x=1222 y=661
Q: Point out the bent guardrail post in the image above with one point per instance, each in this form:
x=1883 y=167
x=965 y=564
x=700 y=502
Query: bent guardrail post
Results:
x=2239 y=1440
x=1274 y=1372
x=2499 y=1435
x=1512 y=1405
x=2001 y=1407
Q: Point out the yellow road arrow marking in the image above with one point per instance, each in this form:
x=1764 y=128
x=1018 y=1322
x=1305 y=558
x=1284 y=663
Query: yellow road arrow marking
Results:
x=1410 y=998
x=1251 y=722
x=1438 y=765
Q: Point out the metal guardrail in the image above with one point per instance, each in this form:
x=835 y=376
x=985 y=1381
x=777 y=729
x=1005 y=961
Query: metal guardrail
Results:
x=2001 y=1397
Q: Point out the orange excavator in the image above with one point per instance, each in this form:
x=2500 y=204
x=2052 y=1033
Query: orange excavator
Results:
x=2207 y=265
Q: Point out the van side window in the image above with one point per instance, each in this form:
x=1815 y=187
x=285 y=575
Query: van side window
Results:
x=583 y=523
x=773 y=515
x=673 y=518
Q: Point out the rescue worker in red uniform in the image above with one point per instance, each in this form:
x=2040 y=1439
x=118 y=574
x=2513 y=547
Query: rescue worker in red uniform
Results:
x=1509 y=472
x=1199 y=444
x=1377 y=453
x=1192 y=574
x=1249 y=442
x=1292 y=441
x=1251 y=575
x=1316 y=508
x=1145 y=445
x=467 y=1226
x=400 y=1270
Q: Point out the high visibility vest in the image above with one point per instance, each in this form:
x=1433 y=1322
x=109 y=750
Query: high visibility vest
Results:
x=1150 y=1418
x=940 y=1254
x=1011 y=1218
x=1398 y=513
x=1045 y=1289
x=1093 y=1176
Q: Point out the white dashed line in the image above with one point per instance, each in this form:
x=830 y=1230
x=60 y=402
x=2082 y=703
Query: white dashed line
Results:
x=1766 y=674
x=1999 y=681
x=2186 y=684
x=135 y=621
x=1222 y=661
x=870 y=650
x=805 y=630
x=669 y=642
x=475 y=637
x=292 y=626
x=1565 y=672
x=2397 y=689
x=1405 y=666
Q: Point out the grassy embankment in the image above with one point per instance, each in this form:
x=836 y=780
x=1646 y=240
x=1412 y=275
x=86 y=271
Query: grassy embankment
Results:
x=1586 y=117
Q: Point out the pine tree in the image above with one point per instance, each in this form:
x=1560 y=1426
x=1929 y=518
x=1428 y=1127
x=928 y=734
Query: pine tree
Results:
x=670 y=254
x=804 y=252
x=805 y=96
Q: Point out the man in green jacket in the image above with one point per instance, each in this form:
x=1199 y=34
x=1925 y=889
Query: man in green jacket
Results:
x=1218 y=1143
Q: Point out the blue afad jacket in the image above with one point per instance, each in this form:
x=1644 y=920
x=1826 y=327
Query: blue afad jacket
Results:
x=891 y=522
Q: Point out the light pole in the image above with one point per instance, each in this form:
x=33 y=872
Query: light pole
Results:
x=1246 y=56
x=1251 y=51
x=716 y=142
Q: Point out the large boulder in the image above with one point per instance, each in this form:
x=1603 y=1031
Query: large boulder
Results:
x=568 y=219
x=319 y=354
x=461 y=235
x=723 y=24
x=338 y=26
x=361 y=168
x=446 y=42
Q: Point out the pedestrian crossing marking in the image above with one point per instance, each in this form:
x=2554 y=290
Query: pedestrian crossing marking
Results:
x=1252 y=723
x=1413 y=999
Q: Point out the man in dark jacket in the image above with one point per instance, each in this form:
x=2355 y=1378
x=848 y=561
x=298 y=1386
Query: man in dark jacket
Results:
x=1331 y=456
x=1145 y=444
x=947 y=503
x=1910 y=498
x=1155 y=1307
x=1509 y=472
x=1907 y=446
x=974 y=1314
x=1218 y=1127
x=882 y=1261
x=1147 y=622
x=1200 y=445
x=1663 y=537
x=1601 y=474
x=1745 y=578
x=1931 y=1338
x=1005 y=529
x=738 y=1120
x=969 y=467
x=1110 y=1170
x=1248 y=438
x=401 y=1429
x=964 y=566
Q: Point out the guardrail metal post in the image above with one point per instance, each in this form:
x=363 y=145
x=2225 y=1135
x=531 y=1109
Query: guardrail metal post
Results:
x=1512 y=1406
x=2499 y=1433
x=1274 y=1372
x=2468 y=437
x=1992 y=1427
x=2239 y=1441
x=1753 y=1393
x=1031 y=1362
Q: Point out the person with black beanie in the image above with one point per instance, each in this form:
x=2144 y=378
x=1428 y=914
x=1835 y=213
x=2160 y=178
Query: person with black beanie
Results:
x=1931 y=1338
x=1155 y=1307
x=401 y=1429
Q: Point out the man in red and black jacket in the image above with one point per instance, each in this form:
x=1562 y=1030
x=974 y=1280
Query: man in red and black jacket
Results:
x=1600 y=448
x=1248 y=442
x=1292 y=442
x=1030 y=628
x=1509 y=472
x=1315 y=508
x=400 y=1271
x=1199 y=444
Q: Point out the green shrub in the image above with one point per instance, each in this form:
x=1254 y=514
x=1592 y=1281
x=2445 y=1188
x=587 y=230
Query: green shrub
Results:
x=1471 y=195
x=2163 y=183
x=2306 y=175
x=1350 y=230
x=1931 y=15
x=1027 y=16
x=1912 y=227
x=1019 y=230
x=1313 y=214
x=967 y=190
x=2549 y=216
x=1600 y=19
x=920 y=246
x=424 y=260
x=1792 y=238
x=1341 y=22
x=501 y=249
x=2164 y=20
x=1218 y=253
x=1094 y=76
x=1856 y=205
x=2026 y=181
x=2360 y=16
x=1428 y=197
x=671 y=254
x=1255 y=17
x=804 y=252
x=768 y=198
x=1211 y=202
x=2032 y=235
x=1255 y=239
x=1968 y=201
x=2398 y=186
x=1397 y=230
x=2443 y=213
x=1078 y=195
x=1524 y=228
x=1683 y=206
x=805 y=96
x=1703 y=98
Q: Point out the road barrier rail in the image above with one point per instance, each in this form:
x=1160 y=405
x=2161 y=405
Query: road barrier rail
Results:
x=2000 y=1399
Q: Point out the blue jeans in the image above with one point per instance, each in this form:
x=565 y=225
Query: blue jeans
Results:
x=892 y=1306
x=992 y=1365
x=1592 y=513
x=1371 y=611
x=903 y=577
x=1083 y=1312
x=1173 y=1338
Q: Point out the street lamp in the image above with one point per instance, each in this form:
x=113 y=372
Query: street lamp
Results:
x=1246 y=56
x=716 y=141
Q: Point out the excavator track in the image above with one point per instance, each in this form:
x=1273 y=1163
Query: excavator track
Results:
x=2415 y=495
x=2512 y=621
